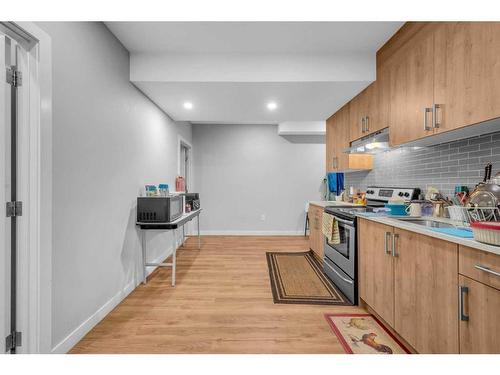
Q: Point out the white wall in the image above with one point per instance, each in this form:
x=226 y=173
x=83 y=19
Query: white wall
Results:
x=108 y=141
x=244 y=171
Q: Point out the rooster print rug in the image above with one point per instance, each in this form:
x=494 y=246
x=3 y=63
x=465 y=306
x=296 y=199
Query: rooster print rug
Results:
x=364 y=334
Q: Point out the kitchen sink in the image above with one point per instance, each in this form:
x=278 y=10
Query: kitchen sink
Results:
x=427 y=223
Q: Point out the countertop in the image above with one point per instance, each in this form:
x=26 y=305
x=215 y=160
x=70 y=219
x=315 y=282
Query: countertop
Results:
x=331 y=203
x=401 y=224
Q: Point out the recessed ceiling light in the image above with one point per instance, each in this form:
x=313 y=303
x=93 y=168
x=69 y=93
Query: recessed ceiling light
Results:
x=272 y=106
x=188 y=105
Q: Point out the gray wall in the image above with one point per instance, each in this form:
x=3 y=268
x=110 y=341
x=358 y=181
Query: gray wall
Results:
x=443 y=166
x=245 y=171
x=108 y=141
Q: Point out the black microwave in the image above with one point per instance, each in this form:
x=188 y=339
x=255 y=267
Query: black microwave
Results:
x=159 y=209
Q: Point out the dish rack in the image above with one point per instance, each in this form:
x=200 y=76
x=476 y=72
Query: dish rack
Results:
x=467 y=215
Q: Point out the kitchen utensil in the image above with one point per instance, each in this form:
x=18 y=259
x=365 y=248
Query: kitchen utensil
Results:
x=487 y=192
x=487 y=232
x=438 y=208
x=414 y=209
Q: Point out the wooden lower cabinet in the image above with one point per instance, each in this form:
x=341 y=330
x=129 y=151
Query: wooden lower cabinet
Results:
x=414 y=288
x=316 y=243
x=375 y=268
x=425 y=292
x=481 y=304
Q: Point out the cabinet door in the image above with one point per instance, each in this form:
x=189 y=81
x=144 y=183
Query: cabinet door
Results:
x=372 y=110
x=412 y=88
x=467 y=72
x=331 y=152
x=481 y=333
x=383 y=93
x=425 y=292
x=342 y=138
x=376 y=274
x=357 y=110
x=315 y=232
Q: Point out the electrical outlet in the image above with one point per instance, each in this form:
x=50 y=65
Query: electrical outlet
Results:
x=263 y=217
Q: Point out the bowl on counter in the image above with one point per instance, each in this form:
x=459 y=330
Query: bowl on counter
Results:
x=486 y=232
x=396 y=209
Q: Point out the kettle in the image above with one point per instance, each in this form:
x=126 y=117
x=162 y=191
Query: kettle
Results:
x=487 y=192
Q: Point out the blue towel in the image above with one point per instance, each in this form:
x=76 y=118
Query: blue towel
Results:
x=335 y=182
x=457 y=232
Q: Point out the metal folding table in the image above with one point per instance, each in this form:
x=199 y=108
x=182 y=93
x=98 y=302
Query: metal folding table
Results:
x=173 y=225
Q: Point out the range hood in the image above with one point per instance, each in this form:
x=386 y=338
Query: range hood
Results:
x=371 y=144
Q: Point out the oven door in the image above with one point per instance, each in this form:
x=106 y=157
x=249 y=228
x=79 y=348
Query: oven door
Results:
x=344 y=253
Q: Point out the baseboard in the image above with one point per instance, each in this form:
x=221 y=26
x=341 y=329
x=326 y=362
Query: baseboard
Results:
x=249 y=233
x=74 y=337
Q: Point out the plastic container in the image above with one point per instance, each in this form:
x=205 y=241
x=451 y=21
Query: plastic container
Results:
x=487 y=232
x=397 y=209
x=163 y=189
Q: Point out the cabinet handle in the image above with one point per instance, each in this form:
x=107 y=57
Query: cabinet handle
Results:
x=462 y=291
x=426 y=111
x=386 y=243
x=367 y=123
x=362 y=125
x=487 y=269
x=435 y=122
x=394 y=237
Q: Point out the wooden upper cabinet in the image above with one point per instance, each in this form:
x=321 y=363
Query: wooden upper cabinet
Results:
x=337 y=140
x=376 y=268
x=330 y=144
x=426 y=292
x=466 y=73
x=356 y=116
x=365 y=111
x=412 y=88
x=342 y=138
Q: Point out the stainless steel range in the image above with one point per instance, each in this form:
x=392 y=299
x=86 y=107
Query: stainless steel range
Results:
x=340 y=260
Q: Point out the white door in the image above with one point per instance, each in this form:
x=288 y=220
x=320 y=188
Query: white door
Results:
x=4 y=194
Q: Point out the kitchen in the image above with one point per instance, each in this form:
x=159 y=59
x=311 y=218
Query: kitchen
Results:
x=239 y=187
x=428 y=265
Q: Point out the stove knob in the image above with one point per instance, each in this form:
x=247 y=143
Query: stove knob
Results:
x=400 y=193
x=407 y=195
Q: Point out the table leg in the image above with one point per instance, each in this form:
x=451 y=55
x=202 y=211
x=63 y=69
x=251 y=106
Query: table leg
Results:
x=174 y=258
x=144 y=278
x=199 y=238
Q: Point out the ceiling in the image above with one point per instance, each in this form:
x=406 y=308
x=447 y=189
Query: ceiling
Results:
x=230 y=71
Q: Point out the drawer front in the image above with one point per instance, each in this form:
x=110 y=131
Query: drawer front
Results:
x=480 y=266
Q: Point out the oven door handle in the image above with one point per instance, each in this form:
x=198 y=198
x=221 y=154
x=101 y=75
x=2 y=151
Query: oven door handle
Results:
x=338 y=274
x=347 y=222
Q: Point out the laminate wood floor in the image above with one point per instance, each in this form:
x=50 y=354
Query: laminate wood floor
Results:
x=222 y=303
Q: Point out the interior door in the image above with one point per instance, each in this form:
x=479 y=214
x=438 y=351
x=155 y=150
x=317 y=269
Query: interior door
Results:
x=4 y=195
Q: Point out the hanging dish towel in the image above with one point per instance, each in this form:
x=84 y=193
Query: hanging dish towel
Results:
x=330 y=229
x=335 y=183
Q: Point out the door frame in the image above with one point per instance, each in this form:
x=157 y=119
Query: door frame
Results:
x=35 y=173
x=185 y=143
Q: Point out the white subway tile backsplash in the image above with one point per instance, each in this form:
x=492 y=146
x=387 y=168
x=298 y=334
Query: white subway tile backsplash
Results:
x=443 y=166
